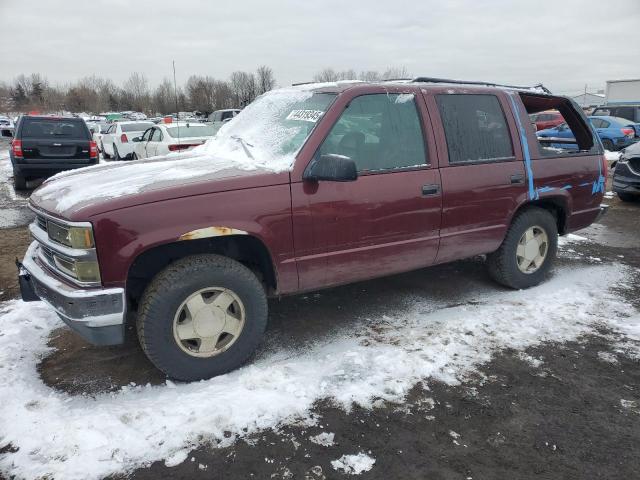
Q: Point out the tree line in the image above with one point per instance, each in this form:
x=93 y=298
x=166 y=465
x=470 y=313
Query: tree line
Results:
x=199 y=93
x=97 y=94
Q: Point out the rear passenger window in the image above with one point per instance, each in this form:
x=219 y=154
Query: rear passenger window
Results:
x=379 y=132
x=475 y=127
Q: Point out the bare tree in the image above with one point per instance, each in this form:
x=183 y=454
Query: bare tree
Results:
x=326 y=75
x=137 y=91
x=265 y=79
x=244 y=88
x=395 y=73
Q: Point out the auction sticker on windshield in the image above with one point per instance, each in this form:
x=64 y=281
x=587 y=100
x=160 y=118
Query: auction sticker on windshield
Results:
x=305 y=115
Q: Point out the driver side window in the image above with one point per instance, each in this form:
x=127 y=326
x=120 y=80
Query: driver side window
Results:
x=379 y=132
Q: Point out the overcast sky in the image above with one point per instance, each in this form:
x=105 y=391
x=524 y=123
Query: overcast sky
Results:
x=564 y=43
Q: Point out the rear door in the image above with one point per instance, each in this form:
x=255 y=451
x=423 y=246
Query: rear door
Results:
x=481 y=166
x=54 y=140
x=386 y=221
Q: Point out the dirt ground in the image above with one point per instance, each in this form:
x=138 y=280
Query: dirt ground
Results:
x=563 y=420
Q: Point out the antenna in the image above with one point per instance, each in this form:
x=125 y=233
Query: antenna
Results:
x=175 y=90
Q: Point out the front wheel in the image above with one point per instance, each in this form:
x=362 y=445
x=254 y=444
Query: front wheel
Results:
x=627 y=197
x=528 y=250
x=104 y=152
x=134 y=156
x=202 y=316
x=116 y=155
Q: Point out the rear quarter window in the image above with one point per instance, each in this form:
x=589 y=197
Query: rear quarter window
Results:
x=475 y=128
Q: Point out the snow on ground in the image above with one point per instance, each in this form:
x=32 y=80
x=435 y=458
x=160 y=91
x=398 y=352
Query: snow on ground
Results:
x=81 y=437
x=611 y=156
x=323 y=439
x=354 y=464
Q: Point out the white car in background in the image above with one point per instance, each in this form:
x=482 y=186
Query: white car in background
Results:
x=165 y=138
x=117 y=141
x=219 y=117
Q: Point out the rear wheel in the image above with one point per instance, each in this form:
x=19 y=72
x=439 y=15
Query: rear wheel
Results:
x=116 y=155
x=608 y=144
x=528 y=250
x=627 y=197
x=19 y=182
x=202 y=316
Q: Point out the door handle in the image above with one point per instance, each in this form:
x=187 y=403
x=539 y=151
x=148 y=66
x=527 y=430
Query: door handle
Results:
x=433 y=189
x=515 y=179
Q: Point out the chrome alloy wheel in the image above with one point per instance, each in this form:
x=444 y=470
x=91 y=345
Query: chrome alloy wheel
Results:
x=208 y=322
x=532 y=249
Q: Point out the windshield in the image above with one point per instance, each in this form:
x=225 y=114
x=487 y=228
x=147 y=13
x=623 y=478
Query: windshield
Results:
x=271 y=130
x=184 y=131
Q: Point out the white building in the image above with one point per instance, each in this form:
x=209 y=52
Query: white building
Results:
x=589 y=99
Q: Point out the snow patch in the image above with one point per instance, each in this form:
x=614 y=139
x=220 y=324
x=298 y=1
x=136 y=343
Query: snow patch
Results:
x=354 y=464
x=383 y=357
x=607 y=357
x=571 y=238
x=611 y=156
x=323 y=439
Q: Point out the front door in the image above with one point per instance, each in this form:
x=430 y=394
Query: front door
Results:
x=386 y=221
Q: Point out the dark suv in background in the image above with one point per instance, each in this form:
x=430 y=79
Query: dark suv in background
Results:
x=43 y=146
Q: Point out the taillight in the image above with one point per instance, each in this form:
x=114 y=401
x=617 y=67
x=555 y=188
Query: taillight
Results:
x=123 y=138
x=182 y=146
x=16 y=147
x=629 y=132
x=93 y=149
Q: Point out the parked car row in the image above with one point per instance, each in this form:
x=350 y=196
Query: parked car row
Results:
x=615 y=133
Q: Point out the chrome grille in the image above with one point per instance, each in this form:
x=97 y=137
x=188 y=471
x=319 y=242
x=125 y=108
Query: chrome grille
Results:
x=42 y=222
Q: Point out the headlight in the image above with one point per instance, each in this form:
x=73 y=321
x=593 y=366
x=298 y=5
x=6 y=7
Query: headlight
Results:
x=75 y=237
x=87 y=272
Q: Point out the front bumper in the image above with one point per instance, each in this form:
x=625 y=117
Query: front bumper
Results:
x=97 y=314
x=626 y=179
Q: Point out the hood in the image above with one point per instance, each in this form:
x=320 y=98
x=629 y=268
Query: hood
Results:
x=79 y=194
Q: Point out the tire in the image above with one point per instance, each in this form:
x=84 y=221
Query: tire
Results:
x=608 y=144
x=134 y=156
x=505 y=265
x=116 y=155
x=19 y=182
x=162 y=303
x=627 y=197
x=104 y=152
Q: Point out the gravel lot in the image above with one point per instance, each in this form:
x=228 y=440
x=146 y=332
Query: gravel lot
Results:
x=434 y=374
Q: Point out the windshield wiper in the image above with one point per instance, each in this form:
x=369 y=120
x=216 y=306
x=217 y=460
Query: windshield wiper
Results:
x=244 y=145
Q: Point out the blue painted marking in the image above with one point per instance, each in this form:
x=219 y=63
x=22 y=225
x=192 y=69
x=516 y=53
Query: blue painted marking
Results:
x=586 y=184
x=544 y=190
x=525 y=148
x=567 y=187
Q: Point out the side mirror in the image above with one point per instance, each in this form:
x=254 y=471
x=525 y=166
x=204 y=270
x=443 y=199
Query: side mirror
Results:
x=331 y=168
x=136 y=139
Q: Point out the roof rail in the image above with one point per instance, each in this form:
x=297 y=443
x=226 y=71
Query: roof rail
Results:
x=468 y=82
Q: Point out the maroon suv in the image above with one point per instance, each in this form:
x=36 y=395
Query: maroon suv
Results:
x=308 y=187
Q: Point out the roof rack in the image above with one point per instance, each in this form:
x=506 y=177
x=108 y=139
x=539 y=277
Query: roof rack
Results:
x=469 y=82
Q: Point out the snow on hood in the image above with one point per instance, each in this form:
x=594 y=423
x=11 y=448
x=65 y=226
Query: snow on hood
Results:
x=92 y=185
